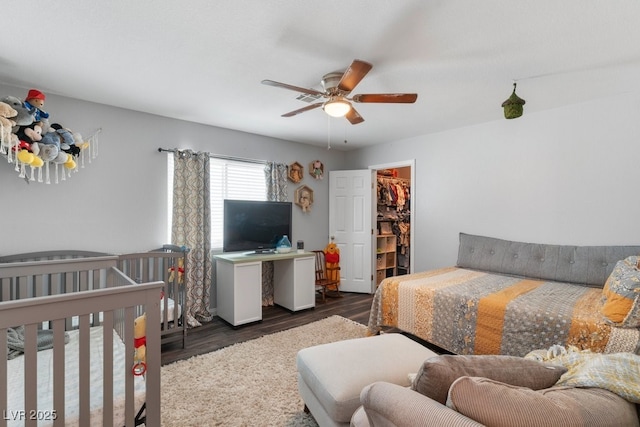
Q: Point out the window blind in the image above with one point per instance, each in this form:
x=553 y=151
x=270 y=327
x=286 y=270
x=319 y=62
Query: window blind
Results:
x=229 y=179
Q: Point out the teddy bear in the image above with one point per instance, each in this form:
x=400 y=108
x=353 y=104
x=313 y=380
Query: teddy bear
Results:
x=140 y=345
x=24 y=116
x=305 y=201
x=7 y=113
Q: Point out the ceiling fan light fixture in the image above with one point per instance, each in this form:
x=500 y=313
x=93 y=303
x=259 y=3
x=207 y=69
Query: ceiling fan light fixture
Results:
x=337 y=107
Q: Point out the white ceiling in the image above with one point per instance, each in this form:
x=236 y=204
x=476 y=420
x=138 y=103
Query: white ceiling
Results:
x=203 y=60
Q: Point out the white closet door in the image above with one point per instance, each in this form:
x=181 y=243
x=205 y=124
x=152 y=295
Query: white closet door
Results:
x=350 y=223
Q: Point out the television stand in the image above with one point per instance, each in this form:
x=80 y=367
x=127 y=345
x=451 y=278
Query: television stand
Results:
x=239 y=283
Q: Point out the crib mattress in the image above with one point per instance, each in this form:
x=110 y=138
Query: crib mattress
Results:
x=15 y=382
x=170 y=307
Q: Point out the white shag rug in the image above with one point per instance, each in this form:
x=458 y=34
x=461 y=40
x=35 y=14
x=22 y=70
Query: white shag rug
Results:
x=253 y=383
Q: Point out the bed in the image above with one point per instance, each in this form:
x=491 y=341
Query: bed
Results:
x=506 y=297
x=82 y=310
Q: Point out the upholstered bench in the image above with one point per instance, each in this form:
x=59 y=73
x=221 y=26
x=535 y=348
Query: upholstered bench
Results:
x=331 y=376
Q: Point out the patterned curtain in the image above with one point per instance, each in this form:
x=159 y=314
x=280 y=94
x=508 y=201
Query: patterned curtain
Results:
x=192 y=228
x=276 y=178
x=275 y=175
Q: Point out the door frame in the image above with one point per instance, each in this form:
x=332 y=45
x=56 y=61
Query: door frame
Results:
x=412 y=203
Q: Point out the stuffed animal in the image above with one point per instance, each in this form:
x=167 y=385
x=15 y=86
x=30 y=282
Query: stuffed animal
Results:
x=48 y=152
x=317 y=169
x=28 y=146
x=51 y=138
x=34 y=103
x=80 y=142
x=30 y=134
x=67 y=141
x=332 y=260
x=305 y=201
x=140 y=345
x=172 y=271
x=7 y=113
x=24 y=116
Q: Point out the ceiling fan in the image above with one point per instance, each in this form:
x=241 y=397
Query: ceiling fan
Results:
x=337 y=87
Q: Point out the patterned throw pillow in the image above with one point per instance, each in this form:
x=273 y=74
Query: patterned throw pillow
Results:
x=616 y=372
x=621 y=294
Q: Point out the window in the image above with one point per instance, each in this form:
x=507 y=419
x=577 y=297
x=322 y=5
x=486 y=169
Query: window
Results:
x=229 y=179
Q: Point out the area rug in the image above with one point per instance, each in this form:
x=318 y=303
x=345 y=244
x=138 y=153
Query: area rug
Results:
x=253 y=383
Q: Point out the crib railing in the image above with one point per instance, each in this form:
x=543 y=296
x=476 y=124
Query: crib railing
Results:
x=36 y=293
x=169 y=265
x=33 y=279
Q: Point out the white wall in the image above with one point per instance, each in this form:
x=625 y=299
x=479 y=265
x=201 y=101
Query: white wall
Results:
x=117 y=204
x=564 y=176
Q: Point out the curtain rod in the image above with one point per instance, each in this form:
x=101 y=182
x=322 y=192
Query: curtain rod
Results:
x=216 y=156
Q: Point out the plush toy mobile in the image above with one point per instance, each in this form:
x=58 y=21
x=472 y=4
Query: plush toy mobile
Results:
x=140 y=345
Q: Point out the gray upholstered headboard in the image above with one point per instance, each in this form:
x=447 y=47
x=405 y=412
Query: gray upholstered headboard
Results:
x=586 y=265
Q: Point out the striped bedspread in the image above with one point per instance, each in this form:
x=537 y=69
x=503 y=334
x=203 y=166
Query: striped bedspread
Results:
x=474 y=312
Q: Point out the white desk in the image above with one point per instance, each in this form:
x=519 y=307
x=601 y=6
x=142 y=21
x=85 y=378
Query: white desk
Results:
x=239 y=284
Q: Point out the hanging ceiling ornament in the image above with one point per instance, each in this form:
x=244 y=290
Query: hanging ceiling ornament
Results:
x=513 y=105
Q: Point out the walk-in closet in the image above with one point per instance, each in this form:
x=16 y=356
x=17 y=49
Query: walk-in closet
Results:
x=393 y=195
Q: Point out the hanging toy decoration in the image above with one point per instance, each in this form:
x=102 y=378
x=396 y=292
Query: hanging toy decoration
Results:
x=304 y=198
x=513 y=106
x=316 y=169
x=27 y=139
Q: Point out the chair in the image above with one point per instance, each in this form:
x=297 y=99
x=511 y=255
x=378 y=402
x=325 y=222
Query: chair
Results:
x=326 y=277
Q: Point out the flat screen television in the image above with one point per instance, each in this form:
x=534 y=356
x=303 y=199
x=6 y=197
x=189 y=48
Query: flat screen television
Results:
x=250 y=225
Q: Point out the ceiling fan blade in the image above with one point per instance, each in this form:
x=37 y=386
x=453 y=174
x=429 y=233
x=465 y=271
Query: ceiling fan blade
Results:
x=396 y=98
x=303 y=109
x=354 y=117
x=354 y=74
x=291 y=87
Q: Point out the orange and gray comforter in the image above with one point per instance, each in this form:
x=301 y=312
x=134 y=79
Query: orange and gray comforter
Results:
x=474 y=312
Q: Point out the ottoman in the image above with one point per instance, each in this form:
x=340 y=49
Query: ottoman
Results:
x=331 y=376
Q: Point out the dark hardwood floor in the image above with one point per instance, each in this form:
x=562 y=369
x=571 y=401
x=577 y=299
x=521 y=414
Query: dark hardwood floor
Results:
x=218 y=333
